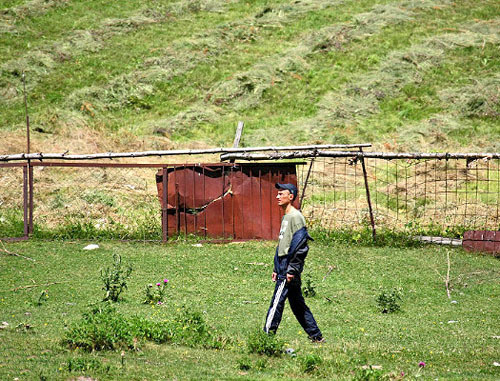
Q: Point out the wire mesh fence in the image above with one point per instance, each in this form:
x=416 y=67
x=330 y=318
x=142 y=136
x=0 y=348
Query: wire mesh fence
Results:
x=115 y=202
x=426 y=195
x=11 y=201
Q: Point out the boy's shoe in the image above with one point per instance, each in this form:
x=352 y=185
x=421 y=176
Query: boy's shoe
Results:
x=318 y=339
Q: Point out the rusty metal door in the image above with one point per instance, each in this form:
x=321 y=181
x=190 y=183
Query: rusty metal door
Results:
x=229 y=201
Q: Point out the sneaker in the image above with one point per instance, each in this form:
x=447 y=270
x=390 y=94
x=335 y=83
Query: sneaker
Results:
x=318 y=339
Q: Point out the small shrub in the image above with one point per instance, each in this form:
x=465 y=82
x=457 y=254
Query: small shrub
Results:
x=102 y=328
x=309 y=288
x=192 y=330
x=390 y=300
x=155 y=295
x=310 y=363
x=156 y=331
x=261 y=364
x=368 y=374
x=85 y=365
x=42 y=298
x=264 y=344
x=244 y=363
x=115 y=279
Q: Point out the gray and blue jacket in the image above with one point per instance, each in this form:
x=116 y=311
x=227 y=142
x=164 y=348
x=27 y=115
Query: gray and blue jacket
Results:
x=293 y=262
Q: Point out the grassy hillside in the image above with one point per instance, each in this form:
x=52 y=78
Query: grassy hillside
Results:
x=101 y=75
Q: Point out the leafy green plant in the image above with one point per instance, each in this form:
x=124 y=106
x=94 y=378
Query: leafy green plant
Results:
x=191 y=329
x=244 y=363
x=310 y=363
x=308 y=287
x=155 y=295
x=101 y=328
x=84 y=365
x=115 y=279
x=261 y=364
x=264 y=344
x=389 y=301
x=368 y=374
x=42 y=298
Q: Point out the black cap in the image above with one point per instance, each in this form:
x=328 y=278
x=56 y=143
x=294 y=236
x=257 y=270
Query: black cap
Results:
x=289 y=187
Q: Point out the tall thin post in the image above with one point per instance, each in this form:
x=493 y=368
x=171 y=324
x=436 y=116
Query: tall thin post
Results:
x=27 y=117
x=30 y=201
x=30 y=168
x=237 y=137
x=368 y=199
x=305 y=183
x=164 y=216
x=25 y=201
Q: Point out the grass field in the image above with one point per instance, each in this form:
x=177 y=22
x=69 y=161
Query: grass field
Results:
x=230 y=286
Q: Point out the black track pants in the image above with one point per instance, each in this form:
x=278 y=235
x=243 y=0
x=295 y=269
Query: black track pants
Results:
x=293 y=292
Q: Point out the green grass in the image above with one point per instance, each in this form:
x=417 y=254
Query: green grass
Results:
x=230 y=286
x=238 y=42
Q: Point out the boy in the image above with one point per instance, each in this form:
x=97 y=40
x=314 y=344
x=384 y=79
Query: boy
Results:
x=288 y=264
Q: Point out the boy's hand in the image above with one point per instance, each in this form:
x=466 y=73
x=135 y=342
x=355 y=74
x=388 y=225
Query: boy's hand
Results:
x=289 y=277
x=274 y=277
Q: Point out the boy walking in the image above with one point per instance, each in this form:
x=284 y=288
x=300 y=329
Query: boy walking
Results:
x=288 y=265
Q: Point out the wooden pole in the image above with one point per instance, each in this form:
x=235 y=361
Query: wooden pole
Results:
x=377 y=155
x=115 y=155
x=237 y=136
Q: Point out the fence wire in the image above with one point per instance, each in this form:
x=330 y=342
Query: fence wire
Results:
x=431 y=194
x=448 y=196
x=11 y=202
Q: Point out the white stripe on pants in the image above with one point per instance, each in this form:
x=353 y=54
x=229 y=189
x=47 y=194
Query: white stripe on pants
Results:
x=277 y=298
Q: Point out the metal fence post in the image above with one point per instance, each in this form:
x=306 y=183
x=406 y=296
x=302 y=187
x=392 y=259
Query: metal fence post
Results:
x=25 y=201
x=368 y=199
x=164 y=216
x=30 y=201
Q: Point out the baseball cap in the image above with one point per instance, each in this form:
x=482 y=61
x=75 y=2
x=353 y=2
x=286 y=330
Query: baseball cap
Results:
x=289 y=187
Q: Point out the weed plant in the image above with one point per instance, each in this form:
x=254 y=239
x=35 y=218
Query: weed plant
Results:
x=264 y=343
x=42 y=298
x=104 y=328
x=389 y=301
x=310 y=363
x=155 y=295
x=101 y=328
x=82 y=365
x=115 y=279
x=308 y=287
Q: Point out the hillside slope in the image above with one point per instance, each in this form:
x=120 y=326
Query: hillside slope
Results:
x=155 y=74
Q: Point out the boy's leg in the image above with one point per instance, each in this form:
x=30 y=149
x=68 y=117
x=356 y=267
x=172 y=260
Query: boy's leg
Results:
x=302 y=312
x=275 y=311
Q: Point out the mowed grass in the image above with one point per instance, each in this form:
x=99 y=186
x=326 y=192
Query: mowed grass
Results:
x=230 y=285
x=176 y=75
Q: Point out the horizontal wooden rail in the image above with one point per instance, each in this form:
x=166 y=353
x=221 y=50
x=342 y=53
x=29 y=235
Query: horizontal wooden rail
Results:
x=116 y=155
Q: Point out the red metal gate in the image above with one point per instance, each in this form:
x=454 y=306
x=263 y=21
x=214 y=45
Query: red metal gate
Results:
x=223 y=200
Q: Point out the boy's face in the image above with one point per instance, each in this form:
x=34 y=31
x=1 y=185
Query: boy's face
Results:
x=284 y=197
